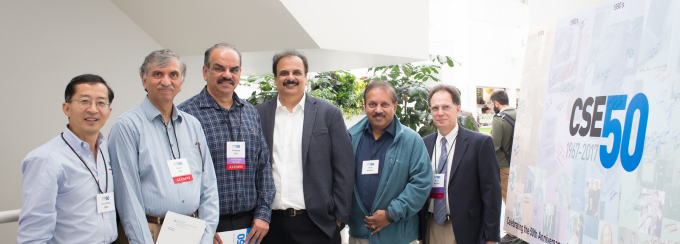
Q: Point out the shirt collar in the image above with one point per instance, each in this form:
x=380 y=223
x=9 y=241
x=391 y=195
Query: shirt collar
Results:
x=391 y=128
x=449 y=137
x=205 y=100
x=506 y=108
x=152 y=112
x=72 y=139
x=300 y=104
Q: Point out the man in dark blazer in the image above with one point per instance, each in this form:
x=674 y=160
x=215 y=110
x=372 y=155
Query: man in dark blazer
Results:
x=312 y=159
x=469 y=209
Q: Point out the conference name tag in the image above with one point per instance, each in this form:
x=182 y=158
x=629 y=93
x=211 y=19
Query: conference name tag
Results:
x=236 y=155
x=105 y=203
x=370 y=167
x=179 y=170
x=437 y=191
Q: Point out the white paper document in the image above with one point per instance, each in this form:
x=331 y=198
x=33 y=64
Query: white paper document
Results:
x=234 y=236
x=181 y=229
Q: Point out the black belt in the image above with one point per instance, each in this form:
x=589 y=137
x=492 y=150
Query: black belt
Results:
x=236 y=215
x=289 y=212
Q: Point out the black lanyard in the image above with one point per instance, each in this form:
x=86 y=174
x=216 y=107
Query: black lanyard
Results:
x=240 y=121
x=179 y=153
x=88 y=168
x=447 y=155
x=370 y=150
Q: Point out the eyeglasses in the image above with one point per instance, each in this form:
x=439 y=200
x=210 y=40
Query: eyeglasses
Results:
x=87 y=102
x=443 y=108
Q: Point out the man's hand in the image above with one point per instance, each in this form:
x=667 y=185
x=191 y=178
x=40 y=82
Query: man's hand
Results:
x=377 y=222
x=257 y=232
x=490 y=242
x=338 y=222
x=217 y=239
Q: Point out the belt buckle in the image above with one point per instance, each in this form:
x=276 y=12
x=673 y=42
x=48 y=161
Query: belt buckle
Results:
x=293 y=212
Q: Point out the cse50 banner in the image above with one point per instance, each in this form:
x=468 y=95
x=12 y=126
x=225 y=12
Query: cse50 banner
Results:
x=596 y=153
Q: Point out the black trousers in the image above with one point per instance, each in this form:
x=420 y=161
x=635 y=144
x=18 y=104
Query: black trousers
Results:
x=299 y=229
x=235 y=221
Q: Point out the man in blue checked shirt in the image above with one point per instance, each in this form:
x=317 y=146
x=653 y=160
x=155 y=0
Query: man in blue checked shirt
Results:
x=237 y=145
x=67 y=187
x=160 y=157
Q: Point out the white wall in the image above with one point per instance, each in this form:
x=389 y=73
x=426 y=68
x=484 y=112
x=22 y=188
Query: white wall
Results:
x=44 y=44
x=486 y=37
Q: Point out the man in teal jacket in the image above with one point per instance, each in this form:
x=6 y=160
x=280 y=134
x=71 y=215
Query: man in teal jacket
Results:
x=393 y=173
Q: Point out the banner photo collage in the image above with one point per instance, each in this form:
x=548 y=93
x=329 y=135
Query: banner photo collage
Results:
x=596 y=150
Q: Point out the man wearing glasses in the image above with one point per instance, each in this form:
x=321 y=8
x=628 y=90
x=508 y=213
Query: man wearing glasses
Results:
x=237 y=145
x=160 y=157
x=67 y=187
x=465 y=200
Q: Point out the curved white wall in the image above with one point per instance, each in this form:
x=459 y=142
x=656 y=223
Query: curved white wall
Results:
x=44 y=44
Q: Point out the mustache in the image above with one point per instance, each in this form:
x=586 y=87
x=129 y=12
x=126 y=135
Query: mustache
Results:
x=291 y=82
x=223 y=79
x=172 y=88
x=376 y=115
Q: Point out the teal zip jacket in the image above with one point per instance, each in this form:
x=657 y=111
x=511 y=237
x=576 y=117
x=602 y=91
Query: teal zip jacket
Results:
x=404 y=186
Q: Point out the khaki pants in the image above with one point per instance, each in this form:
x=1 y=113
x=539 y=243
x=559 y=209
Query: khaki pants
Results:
x=155 y=229
x=437 y=234
x=505 y=173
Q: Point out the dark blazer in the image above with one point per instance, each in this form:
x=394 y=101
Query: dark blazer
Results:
x=327 y=160
x=474 y=189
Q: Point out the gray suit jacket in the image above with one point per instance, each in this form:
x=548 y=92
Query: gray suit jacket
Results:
x=327 y=160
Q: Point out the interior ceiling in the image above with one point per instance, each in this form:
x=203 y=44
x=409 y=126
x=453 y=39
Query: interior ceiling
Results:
x=260 y=28
x=190 y=27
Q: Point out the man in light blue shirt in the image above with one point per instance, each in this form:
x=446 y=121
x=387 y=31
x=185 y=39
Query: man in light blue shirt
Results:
x=64 y=178
x=143 y=141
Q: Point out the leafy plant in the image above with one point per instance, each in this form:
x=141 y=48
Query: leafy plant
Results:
x=340 y=88
x=266 y=89
x=408 y=81
x=345 y=91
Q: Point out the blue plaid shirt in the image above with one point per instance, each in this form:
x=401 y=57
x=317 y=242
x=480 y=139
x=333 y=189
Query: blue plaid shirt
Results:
x=239 y=190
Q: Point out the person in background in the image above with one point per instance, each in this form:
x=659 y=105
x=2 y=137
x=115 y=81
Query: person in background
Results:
x=502 y=128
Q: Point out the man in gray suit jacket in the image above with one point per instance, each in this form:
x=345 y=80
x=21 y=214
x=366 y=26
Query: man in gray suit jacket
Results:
x=312 y=159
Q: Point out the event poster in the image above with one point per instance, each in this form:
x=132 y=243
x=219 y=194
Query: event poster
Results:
x=596 y=153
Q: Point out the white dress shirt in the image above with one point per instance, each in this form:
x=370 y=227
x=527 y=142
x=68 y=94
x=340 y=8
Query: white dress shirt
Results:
x=287 y=154
x=436 y=153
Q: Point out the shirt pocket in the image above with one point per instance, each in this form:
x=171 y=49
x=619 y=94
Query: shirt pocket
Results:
x=251 y=137
x=194 y=157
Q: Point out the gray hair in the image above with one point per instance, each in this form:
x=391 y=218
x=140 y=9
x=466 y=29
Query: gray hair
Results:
x=161 y=58
x=206 y=56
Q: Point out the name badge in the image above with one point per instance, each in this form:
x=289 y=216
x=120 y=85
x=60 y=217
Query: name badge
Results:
x=236 y=155
x=105 y=203
x=370 y=167
x=179 y=170
x=437 y=191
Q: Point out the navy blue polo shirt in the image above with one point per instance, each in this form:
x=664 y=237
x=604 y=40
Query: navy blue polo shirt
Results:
x=371 y=149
